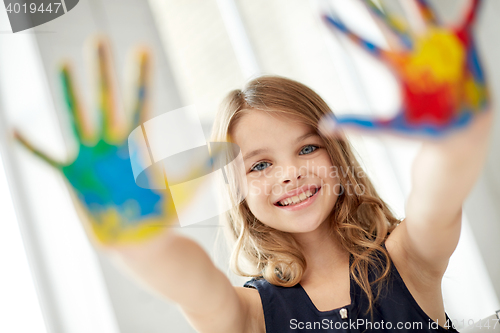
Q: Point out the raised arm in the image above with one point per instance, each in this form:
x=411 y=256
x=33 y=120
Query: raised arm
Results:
x=180 y=270
x=444 y=96
x=443 y=174
x=134 y=223
x=445 y=170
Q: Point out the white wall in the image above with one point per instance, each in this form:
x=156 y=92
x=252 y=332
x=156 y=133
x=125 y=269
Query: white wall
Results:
x=196 y=64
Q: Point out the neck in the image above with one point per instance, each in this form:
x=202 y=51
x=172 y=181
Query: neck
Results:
x=323 y=252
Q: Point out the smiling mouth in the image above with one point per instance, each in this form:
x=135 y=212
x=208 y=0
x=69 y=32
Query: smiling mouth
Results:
x=296 y=199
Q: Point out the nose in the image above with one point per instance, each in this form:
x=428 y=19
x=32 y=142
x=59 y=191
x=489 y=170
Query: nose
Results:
x=290 y=174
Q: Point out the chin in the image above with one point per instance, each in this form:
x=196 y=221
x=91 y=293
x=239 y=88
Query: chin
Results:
x=304 y=227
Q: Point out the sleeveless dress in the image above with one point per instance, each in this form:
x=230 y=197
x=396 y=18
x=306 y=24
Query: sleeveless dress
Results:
x=289 y=309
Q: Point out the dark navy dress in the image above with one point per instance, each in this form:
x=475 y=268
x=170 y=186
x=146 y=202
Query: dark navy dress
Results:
x=289 y=309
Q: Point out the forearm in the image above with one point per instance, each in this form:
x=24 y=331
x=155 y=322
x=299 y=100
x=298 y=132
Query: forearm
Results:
x=445 y=171
x=174 y=266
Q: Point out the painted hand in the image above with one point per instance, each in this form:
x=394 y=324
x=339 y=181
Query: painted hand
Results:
x=100 y=176
x=442 y=83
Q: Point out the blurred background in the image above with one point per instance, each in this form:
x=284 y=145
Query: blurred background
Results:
x=53 y=280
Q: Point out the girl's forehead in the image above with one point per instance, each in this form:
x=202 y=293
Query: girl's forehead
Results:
x=259 y=128
x=258 y=119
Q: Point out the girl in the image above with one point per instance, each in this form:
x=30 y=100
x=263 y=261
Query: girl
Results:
x=324 y=251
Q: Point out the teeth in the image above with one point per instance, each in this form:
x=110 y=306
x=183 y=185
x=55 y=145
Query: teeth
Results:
x=296 y=199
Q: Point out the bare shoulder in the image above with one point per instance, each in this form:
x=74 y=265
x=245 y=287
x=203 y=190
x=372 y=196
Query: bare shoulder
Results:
x=254 y=312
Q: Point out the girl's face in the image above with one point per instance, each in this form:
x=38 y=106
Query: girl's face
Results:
x=291 y=183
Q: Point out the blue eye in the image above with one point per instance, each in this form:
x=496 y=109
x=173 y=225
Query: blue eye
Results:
x=254 y=168
x=307 y=149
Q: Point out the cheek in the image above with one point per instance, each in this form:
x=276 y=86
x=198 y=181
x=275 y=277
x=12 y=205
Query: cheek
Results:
x=330 y=176
x=259 y=187
x=324 y=168
x=257 y=204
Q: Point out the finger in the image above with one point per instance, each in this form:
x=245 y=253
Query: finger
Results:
x=476 y=94
x=214 y=158
x=141 y=86
x=203 y=164
x=427 y=12
x=78 y=121
x=111 y=126
x=471 y=14
x=397 y=126
x=474 y=65
x=22 y=140
x=368 y=46
x=332 y=125
x=397 y=26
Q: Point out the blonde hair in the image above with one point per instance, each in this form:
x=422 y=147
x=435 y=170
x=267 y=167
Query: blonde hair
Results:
x=362 y=221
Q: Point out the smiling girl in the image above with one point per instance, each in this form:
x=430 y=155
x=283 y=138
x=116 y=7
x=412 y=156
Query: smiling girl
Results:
x=322 y=248
x=321 y=241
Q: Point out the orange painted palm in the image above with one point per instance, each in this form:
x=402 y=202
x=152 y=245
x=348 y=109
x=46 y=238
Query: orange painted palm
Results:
x=442 y=83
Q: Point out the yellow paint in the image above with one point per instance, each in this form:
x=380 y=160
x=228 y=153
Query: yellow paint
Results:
x=474 y=93
x=398 y=23
x=111 y=232
x=438 y=59
x=108 y=227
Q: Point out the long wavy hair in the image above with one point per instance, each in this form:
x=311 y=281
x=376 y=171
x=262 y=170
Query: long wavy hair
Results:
x=361 y=222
